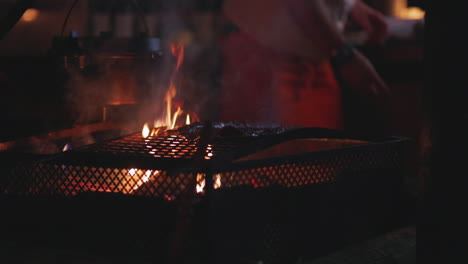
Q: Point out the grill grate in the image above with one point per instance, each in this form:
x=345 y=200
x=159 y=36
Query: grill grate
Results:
x=249 y=215
x=161 y=166
x=158 y=147
x=163 y=146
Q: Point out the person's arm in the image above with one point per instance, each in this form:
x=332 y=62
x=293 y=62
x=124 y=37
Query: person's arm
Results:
x=314 y=20
x=352 y=66
x=304 y=28
x=371 y=21
x=273 y=24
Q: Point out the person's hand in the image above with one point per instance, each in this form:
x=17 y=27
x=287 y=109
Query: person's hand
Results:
x=371 y=21
x=360 y=75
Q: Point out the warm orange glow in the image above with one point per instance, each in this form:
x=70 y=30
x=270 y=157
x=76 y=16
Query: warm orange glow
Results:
x=139 y=177
x=412 y=13
x=30 y=15
x=148 y=175
x=155 y=131
x=169 y=119
x=200 y=183
x=200 y=188
x=178 y=52
x=146 y=131
x=170 y=94
x=187 y=120
x=174 y=119
x=209 y=152
x=159 y=124
x=217 y=183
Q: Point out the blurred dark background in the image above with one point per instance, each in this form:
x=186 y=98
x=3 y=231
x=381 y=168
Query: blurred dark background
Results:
x=39 y=94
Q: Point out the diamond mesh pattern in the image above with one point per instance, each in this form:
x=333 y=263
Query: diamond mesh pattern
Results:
x=112 y=167
x=166 y=146
x=135 y=166
x=163 y=146
x=69 y=180
x=308 y=169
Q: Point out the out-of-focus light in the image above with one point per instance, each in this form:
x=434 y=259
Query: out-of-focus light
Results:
x=67 y=147
x=413 y=13
x=30 y=15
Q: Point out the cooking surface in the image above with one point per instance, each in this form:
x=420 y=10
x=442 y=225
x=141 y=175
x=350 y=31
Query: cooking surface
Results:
x=164 y=146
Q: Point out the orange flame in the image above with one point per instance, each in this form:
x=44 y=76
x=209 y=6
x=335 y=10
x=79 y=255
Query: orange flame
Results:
x=170 y=94
x=200 y=183
x=178 y=52
x=200 y=188
x=187 y=120
x=217 y=183
x=169 y=121
x=146 y=131
x=174 y=119
x=139 y=177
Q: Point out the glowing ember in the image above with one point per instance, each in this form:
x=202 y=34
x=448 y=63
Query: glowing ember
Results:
x=217 y=183
x=141 y=176
x=167 y=197
x=148 y=175
x=200 y=188
x=146 y=131
x=200 y=183
x=209 y=152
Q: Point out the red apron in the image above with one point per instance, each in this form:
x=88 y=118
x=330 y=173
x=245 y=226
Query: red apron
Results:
x=265 y=87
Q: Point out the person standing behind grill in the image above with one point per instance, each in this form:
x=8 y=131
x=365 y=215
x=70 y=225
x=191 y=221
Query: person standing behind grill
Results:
x=277 y=67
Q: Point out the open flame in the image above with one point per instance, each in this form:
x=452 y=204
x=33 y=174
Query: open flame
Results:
x=217 y=183
x=200 y=183
x=173 y=111
x=173 y=117
x=141 y=177
x=146 y=131
x=200 y=188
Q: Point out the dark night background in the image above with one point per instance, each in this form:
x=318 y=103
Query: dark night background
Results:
x=442 y=225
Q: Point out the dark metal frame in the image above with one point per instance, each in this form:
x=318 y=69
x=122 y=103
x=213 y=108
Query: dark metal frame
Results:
x=269 y=209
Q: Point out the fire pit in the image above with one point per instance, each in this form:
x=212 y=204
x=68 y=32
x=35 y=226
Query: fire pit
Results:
x=249 y=193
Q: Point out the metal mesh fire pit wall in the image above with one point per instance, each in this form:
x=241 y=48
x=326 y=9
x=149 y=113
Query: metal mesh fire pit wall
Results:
x=255 y=194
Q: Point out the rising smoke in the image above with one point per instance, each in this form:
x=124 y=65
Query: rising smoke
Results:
x=144 y=81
